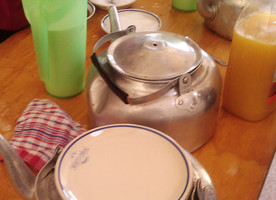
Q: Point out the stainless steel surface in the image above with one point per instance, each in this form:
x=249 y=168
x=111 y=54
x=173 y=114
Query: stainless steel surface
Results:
x=45 y=180
x=204 y=188
x=189 y=117
x=221 y=15
x=28 y=185
x=114 y=17
x=21 y=176
x=207 y=9
x=169 y=55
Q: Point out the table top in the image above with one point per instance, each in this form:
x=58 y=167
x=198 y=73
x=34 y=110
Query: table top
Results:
x=237 y=158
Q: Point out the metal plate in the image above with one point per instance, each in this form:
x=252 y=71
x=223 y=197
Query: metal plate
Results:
x=105 y=4
x=123 y=161
x=90 y=10
x=142 y=19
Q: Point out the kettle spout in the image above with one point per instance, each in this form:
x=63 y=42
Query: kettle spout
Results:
x=20 y=174
x=206 y=9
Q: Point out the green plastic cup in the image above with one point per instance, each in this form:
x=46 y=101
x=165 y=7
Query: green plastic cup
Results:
x=184 y=5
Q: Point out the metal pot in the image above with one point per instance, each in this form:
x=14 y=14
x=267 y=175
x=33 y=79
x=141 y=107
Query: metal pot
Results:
x=221 y=15
x=156 y=79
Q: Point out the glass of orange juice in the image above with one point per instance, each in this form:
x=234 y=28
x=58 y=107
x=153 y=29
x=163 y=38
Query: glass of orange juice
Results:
x=250 y=82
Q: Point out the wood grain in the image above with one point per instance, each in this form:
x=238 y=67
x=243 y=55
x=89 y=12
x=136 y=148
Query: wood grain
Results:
x=237 y=157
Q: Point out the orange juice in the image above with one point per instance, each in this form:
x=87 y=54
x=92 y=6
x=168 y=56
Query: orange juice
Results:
x=250 y=82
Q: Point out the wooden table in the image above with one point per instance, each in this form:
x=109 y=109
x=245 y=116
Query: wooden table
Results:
x=238 y=156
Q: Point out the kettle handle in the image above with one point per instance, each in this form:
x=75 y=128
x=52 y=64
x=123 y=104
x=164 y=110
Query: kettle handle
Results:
x=110 y=37
x=113 y=36
x=123 y=95
x=118 y=91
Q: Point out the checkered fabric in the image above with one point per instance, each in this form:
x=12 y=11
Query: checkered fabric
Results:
x=42 y=126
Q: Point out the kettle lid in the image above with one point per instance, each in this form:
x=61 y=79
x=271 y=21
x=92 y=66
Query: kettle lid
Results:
x=154 y=56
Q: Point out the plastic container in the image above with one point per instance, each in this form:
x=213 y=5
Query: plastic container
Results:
x=250 y=82
x=184 y=5
x=59 y=34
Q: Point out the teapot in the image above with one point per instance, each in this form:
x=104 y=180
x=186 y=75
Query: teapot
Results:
x=157 y=79
x=221 y=15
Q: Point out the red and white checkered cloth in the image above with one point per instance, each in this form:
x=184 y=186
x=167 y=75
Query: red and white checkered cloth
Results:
x=42 y=126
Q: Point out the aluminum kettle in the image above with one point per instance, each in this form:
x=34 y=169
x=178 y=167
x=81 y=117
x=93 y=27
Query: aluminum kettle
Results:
x=156 y=79
x=221 y=15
